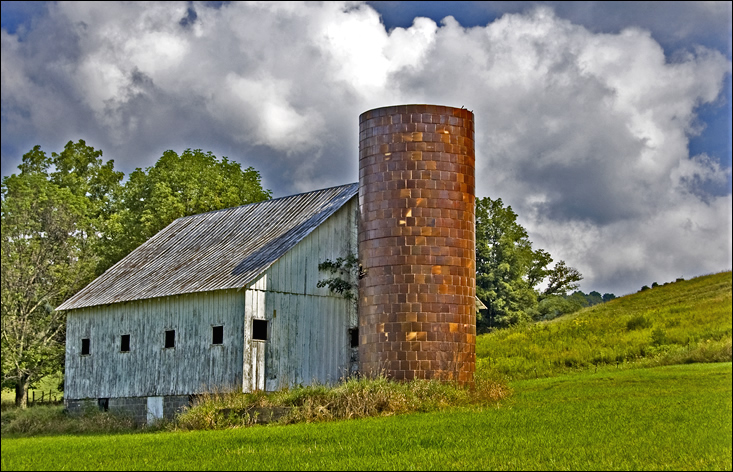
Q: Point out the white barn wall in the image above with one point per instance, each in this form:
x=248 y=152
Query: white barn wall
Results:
x=194 y=365
x=308 y=326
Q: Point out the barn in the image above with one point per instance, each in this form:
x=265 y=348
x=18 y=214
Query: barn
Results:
x=221 y=301
x=229 y=300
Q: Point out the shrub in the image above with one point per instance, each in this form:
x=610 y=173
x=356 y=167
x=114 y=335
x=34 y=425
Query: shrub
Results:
x=659 y=336
x=638 y=322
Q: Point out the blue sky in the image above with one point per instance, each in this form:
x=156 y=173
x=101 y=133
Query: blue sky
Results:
x=605 y=125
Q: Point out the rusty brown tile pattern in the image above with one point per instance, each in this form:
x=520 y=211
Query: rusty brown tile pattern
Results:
x=417 y=242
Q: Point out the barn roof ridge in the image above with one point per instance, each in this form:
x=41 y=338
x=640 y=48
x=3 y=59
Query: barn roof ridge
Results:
x=218 y=250
x=268 y=200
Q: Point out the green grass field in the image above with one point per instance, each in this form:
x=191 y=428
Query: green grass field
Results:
x=662 y=418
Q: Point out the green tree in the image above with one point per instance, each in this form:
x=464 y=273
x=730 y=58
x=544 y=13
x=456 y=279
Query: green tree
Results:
x=594 y=298
x=54 y=213
x=509 y=271
x=555 y=305
x=176 y=186
x=45 y=259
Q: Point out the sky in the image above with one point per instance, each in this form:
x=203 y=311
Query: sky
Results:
x=606 y=126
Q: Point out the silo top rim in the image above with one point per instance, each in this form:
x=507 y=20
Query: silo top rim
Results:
x=415 y=108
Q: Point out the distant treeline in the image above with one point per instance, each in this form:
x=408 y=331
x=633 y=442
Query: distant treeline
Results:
x=552 y=307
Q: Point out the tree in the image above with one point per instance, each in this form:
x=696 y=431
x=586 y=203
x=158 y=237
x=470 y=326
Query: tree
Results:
x=562 y=279
x=556 y=305
x=503 y=258
x=594 y=298
x=54 y=213
x=178 y=185
x=509 y=271
x=46 y=258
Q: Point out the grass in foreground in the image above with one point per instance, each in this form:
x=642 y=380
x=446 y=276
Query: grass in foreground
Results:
x=664 y=418
x=679 y=323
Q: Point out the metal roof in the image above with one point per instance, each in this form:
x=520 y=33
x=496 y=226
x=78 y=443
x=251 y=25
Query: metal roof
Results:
x=218 y=250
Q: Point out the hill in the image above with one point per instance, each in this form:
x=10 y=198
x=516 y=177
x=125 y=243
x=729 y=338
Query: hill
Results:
x=683 y=322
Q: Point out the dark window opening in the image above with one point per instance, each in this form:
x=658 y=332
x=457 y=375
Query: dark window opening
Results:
x=125 y=343
x=354 y=337
x=217 y=335
x=103 y=404
x=85 y=347
x=170 y=338
x=259 y=330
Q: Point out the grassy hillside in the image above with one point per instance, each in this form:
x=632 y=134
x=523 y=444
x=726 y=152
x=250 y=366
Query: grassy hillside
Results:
x=682 y=322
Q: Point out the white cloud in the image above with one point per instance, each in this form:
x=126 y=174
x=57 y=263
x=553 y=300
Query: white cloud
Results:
x=585 y=134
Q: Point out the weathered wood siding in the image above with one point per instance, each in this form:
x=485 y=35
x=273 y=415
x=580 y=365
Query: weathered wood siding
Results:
x=308 y=326
x=194 y=365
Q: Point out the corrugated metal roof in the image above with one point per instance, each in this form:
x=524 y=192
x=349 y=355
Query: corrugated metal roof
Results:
x=213 y=251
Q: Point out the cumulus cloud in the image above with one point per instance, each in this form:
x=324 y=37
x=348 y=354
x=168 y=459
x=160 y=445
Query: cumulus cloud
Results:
x=584 y=133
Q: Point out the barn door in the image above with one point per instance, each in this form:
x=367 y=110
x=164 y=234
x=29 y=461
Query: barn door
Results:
x=257 y=368
x=258 y=345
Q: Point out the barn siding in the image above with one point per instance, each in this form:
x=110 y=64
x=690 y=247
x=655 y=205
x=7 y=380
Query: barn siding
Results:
x=308 y=340
x=149 y=369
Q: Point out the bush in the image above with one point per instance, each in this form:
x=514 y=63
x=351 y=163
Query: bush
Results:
x=638 y=322
x=659 y=336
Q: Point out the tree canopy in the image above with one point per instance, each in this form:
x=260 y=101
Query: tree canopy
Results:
x=509 y=271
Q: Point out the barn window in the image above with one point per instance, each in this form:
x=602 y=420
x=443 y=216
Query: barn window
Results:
x=85 y=347
x=170 y=338
x=103 y=404
x=125 y=343
x=354 y=337
x=217 y=335
x=259 y=330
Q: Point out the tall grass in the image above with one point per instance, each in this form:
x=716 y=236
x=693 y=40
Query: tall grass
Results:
x=683 y=322
x=54 y=420
x=351 y=399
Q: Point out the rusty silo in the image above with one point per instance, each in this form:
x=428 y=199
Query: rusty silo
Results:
x=417 y=242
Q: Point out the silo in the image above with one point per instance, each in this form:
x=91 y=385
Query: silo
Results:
x=417 y=315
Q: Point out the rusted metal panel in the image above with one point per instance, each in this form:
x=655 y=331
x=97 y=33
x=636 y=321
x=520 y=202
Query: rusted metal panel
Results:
x=214 y=251
x=194 y=365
